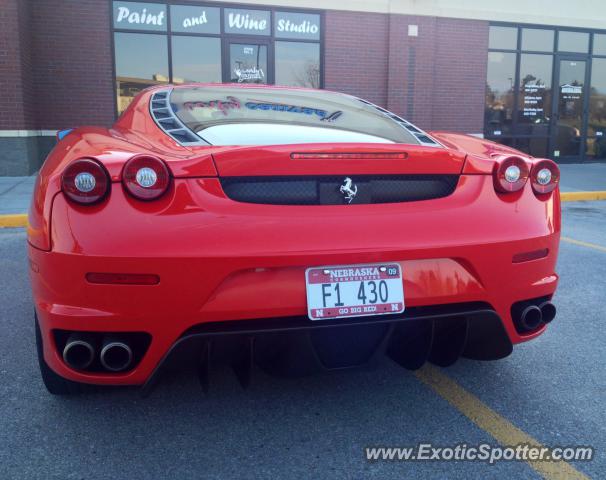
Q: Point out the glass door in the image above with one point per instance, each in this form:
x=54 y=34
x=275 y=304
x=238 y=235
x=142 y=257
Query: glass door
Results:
x=569 y=109
x=248 y=62
x=596 y=124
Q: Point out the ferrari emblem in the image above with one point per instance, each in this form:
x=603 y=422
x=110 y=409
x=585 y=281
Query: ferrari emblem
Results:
x=349 y=189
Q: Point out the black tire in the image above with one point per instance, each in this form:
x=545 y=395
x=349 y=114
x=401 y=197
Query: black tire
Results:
x=55 y=384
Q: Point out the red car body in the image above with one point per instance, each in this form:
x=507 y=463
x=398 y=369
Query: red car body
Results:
x=211 y=266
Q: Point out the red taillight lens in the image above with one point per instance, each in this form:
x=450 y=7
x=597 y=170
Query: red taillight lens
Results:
x=545 y=176
x=510 y=174
x=146 y=178
x=85 y=181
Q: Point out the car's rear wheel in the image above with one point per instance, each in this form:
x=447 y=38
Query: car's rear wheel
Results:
x=55 y=384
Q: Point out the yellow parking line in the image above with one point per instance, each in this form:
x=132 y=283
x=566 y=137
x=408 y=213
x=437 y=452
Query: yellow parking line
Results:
x=578 y=196
x=584 y=244
x=491 y=422
x=19 y=220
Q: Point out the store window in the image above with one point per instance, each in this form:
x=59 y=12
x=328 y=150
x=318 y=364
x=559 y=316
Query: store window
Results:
x=298 y=64
x=248 y=63
x=196 y=59
x=573 y=42
x=537 y=39
x=158 y=43
x=499 y=94
x=538 y=98
x=505 y=38
x=535 y=94
x=596 y=143
x=599 y=44
x=141 y=61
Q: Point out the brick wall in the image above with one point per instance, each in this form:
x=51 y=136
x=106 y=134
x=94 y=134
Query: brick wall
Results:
x=15 y=65
x=435 y=80
x=56 y=65
x=460 y=75
x=356 y=54
x=72 y=63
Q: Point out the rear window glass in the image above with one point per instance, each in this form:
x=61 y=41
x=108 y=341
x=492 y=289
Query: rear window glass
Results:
x=328 y=116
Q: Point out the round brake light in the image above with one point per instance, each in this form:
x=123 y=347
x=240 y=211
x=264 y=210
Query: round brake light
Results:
x=145 y=177
x=85 y=181
x=545 y=176
x=510 y=174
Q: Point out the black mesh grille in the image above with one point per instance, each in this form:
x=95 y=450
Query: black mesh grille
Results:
x=326 y=190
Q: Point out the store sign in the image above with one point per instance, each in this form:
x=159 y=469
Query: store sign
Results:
x=304 y=26
x=248 y=22
x=190 y=19
x=139 y=16
x=249 y=74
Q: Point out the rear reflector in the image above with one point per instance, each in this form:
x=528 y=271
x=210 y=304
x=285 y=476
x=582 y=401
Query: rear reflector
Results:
x=528 y=256
x=123 y=278
x=349 y=156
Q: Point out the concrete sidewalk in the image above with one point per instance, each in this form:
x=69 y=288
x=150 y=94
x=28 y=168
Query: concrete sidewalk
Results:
x=583 y=177
x=15 y=192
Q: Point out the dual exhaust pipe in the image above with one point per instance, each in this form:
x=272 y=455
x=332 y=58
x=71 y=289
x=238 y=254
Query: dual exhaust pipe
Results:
x=531 y=317
x=81 y=349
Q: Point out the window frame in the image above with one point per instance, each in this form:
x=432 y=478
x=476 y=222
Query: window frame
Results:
x=514 y=137
x=225 y=38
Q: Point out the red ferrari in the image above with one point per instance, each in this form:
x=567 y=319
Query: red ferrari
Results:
x=290 y=230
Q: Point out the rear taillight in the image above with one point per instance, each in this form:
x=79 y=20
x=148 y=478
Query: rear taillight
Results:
x=85 y=181
x=510 y=174
x=350 y=156
x=145 y=177
x=545 y=176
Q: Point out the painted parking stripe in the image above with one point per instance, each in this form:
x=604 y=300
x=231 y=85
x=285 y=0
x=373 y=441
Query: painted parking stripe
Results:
x=582 y=196
x=18 y=220
x=491 y=422
x=583 y=244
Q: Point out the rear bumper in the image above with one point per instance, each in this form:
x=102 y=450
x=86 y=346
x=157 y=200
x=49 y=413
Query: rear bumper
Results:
x=298 y=346
x=220 y=261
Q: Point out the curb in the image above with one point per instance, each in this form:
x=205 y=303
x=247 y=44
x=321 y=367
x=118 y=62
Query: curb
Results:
x=20 y=220
x=13 y=221
x=582 y=196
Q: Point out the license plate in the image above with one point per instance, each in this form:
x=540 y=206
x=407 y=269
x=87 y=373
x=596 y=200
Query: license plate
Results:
x=354 y=290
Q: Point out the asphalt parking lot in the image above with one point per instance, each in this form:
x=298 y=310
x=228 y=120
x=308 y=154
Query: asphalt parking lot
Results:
x=552 y=389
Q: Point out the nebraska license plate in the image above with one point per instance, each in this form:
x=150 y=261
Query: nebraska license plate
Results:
x=354 y=290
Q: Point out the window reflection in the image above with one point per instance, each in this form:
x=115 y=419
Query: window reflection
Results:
x=573 y=42
x=141 y=61
x=535 y=94
x=597 y=109
x=535 y=146
x=298 y=64
x=505 y=38
x=248 y=63
x=570 y=107
x=196 y=59
x=537 y=39
x=500 y=81
x=599 y=44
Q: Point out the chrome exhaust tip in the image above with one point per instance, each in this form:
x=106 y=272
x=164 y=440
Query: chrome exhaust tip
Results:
x=116 y=356
x=548 y=311
x=78 y=352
